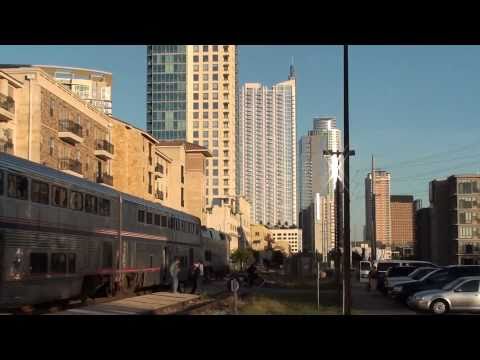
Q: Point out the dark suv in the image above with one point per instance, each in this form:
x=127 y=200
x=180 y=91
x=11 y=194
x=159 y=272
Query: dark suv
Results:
x=436 y=280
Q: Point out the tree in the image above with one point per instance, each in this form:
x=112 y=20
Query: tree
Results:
x=242 y=257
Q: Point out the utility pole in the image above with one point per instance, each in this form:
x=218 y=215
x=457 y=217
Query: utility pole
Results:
x=346 y=193
x=347 y=301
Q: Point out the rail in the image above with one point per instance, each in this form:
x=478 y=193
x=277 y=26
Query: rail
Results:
x=105 y=145
x=105 y=179
x=70 y=126
x=70 y=164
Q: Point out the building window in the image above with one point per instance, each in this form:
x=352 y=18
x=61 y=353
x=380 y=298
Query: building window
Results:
x=195 y=114
x=195 y=134
x=195 y=58
x=215 y=134
x=225 y=153
x=205 y=114
x=58 y=263
x=181 y=174
x=215 y=86
x=214 y=58
x=225 y=57
x=215 y=172
x=205 y=125
x=205 y=86
x=215 y=105
x=215 y=77
x=215 y=182
x=215 y=67
x=225 y=172
x=215 y=162
x=215 y=143
x=225 y=48
x=205 y=143
x=195 y=68
x=225 y=191
x=195 y=96
x=195 y=77
x=195 y=48
x=215 y=191
x=195 y=124
x=149 y=218
x=225 y=182
x=215 y=115
x=205 y=96
x=205 y=105
x=215 y=96
x=104 y=207
x=195 y=87
x=205 y=77
x=205 y=58
x=205 y=48
x=182 y=202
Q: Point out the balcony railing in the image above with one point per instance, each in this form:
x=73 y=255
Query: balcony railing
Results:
x=70 y=165
x=104 y=150
x=159 y=168
x=70 y=131
x=6 y=146
x=70 y=126
x=7 y=104
x=105 y=179
x=159 y=195
x=105 y=145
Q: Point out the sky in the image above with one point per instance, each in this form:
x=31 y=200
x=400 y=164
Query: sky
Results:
x=415 y=108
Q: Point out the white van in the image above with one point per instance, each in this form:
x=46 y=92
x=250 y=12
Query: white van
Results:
x=364 y=270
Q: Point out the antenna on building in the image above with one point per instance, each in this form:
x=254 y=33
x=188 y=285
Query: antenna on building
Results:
x=292 y=71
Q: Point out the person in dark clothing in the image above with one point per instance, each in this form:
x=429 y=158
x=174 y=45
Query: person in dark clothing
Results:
x=252 y=274
x=195 y=275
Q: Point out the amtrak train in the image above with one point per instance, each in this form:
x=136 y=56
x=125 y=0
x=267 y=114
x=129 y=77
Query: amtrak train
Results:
x=63 y=237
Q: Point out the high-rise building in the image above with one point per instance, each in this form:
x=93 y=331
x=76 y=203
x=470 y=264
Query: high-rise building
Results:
x=266 y=160
x=92 y=86
x=403 y=230
x=191 y=95
x=378 y=212
x=317 y=177
x=455 y=219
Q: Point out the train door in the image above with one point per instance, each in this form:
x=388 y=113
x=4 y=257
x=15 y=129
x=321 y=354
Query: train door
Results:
x=107 y=255
x=190 y=257
x=165 y=262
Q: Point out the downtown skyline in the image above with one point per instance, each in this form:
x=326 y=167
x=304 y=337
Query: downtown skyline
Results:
x=398 y=94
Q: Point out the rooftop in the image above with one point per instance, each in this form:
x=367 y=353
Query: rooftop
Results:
x=189 y=147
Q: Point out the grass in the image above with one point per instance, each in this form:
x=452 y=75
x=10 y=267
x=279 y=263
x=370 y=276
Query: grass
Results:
x=290 y=303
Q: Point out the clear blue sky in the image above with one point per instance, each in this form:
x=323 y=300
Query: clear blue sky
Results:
x=415 y=107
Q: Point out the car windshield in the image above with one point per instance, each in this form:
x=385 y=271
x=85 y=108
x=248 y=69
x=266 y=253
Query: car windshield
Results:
x=452 y=284
x=419 y=273
x=399 y=271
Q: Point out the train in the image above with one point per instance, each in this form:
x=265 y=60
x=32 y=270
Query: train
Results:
x=65 y=238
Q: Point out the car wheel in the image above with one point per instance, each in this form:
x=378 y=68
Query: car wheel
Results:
x=439 y=307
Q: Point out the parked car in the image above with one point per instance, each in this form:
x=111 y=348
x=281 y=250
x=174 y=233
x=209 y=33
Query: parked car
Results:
x=384 y=265
x=461 y=294
x=435 y=280
x=364 y=270
x=416 y=275
x=396 y=272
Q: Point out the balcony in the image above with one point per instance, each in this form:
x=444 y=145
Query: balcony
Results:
x=71 y=166
x=70 y=132
x=159 y=169
x=6 y=146
x=105 y=179
x=159 y=195
x=7 y=108
x=104 y=150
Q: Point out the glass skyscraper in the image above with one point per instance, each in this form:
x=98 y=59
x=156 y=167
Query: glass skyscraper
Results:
x=167 y=91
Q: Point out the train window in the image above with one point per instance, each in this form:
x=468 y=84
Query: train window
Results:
x=18 y=186
x=164 y=221
x=149 y=217
x=59 y=196
x=58 y=263
x=38 y=263
x=40 y=192
x=76 y=200
x=104 y=207
x=72 y=259
x=157 y=219
x=141 y=216
x=90 y=204
x=1 y=182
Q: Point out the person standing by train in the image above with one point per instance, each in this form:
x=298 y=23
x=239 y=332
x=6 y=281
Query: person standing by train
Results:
x=174 y=270
x=195 y=275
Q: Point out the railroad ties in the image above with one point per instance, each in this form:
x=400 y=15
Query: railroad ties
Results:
x=155 y=303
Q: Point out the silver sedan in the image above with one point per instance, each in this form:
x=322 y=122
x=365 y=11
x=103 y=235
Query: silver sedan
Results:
x=462 y=294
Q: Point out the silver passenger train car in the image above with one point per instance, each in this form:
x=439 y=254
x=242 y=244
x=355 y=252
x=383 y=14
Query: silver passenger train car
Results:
x=63 y=237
